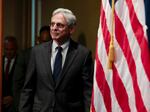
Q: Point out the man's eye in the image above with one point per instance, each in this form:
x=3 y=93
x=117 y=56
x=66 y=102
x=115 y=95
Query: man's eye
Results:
x=52 y=24
x=60 y=25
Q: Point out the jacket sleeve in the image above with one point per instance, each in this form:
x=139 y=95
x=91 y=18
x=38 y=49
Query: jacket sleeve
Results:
x=26 y=98
x=87 y=73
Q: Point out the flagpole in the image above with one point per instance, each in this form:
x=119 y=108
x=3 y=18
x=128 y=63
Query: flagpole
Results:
x=111 y=54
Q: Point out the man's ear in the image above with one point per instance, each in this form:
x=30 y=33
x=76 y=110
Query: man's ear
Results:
x=72 y=29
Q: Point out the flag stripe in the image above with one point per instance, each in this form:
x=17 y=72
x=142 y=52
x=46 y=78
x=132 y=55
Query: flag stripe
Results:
x=105 y=31
x=92 y=102
x=121 y=94
x=102 y=81
x=138 y=30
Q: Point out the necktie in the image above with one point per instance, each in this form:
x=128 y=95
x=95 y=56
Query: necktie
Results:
x=58 y=63
x=7 y=69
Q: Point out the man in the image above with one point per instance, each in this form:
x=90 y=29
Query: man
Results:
x=59 y=75
x=22 y=63
x=19 y=75
x=9 y=61
x=44 y=35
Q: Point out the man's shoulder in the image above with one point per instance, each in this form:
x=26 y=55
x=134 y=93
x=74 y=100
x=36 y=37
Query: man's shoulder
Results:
x=79 y=47
x=37 y=49
x=42 y=45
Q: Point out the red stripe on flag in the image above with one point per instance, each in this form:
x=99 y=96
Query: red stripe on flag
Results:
x=92 y=109
x=105 y=31
x=139 y=33
x=102 y=84
x=124 y=44
x=120 y=92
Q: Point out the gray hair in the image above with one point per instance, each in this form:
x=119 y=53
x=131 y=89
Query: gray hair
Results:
x=68 y=14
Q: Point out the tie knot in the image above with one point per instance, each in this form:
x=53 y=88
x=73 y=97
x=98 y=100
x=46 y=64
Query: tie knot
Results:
x=9 y=60
x=59 y=49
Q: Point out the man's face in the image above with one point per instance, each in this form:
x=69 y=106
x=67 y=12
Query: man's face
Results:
x=44 y=37
x=10 y=49
x=60 y=31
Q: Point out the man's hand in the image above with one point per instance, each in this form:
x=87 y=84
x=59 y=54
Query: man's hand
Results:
x=7 y=101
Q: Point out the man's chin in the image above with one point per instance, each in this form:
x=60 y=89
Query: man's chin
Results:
x=55 y=37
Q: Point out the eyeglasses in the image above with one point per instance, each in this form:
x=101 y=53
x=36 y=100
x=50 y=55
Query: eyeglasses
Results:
x=58 y=25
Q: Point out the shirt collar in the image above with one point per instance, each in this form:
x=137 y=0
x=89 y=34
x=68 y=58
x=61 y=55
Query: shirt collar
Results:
x=12 y=60
x=64 y=46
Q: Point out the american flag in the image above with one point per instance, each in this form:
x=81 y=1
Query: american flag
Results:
x=125 y=87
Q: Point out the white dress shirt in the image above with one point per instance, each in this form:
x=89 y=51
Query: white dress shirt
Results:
x=11 y=64
x=65 y=47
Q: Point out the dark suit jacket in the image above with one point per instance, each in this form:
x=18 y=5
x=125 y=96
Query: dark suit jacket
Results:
x=7 y=89
x=19 y=74
x=71 y=92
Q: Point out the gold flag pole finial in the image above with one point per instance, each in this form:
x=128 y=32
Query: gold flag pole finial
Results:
x=111 y=55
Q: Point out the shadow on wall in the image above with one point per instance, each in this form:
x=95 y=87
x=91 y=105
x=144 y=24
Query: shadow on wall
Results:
x=82 y=39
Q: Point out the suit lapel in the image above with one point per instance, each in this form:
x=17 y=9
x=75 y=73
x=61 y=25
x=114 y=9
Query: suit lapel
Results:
x=47 y=60
x=13 y=67
x=71 y=54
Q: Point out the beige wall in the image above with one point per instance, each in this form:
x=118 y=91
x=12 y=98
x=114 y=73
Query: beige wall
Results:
x=18 y=19
x=87 y=12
